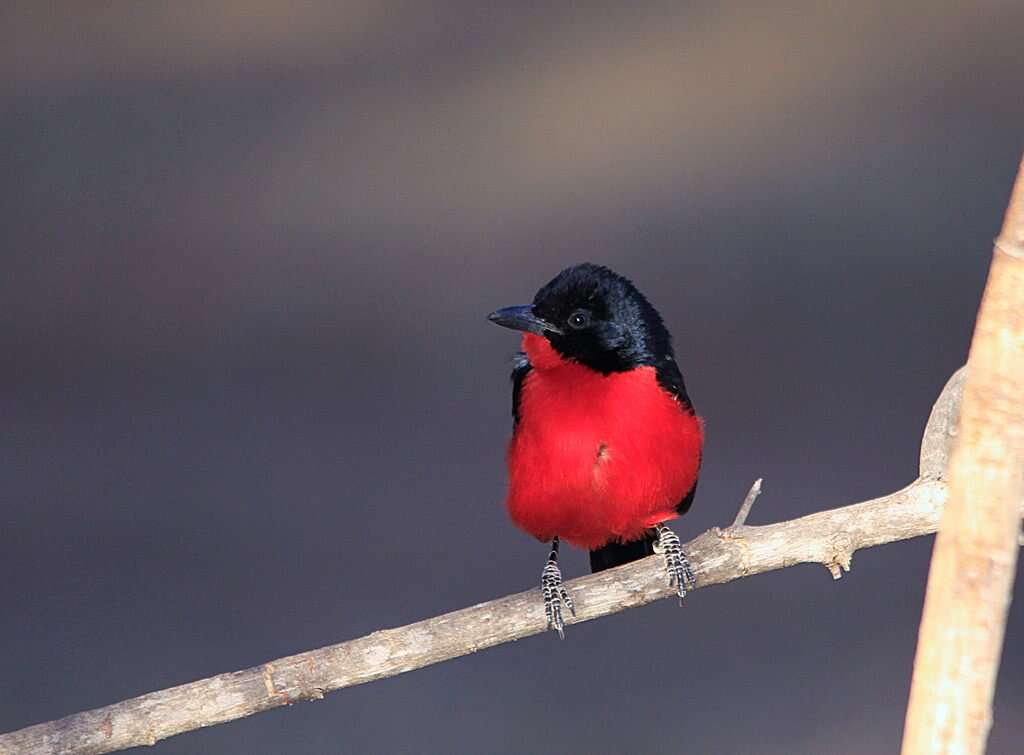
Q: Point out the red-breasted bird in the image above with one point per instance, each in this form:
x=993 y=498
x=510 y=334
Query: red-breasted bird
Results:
x=606 y=446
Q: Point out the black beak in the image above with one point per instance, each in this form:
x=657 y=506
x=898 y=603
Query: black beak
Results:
x=522 y=318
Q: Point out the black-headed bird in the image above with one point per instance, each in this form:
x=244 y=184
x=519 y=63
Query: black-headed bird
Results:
x=606 y=446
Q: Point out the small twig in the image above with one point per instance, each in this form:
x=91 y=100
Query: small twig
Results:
x=748 y=503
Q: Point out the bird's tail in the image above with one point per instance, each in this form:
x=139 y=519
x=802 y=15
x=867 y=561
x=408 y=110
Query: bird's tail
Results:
x=616 y=554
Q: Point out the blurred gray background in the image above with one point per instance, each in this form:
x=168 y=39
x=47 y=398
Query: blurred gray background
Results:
x=251 y=404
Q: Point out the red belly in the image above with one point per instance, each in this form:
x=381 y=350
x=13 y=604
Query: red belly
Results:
x=598 y=458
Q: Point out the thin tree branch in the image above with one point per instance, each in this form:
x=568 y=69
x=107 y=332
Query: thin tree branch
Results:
x=828 y=537
x=974 y=560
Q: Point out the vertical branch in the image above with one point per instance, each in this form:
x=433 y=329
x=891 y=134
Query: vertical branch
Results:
x=974 y=560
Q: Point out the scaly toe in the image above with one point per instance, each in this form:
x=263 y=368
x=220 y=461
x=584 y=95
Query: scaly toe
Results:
x=556 y=597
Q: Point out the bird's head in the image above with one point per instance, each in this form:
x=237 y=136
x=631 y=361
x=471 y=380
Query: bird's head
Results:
x=591 y=315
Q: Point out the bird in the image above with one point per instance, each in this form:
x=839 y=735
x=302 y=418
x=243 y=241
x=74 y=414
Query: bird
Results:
x=606 y=445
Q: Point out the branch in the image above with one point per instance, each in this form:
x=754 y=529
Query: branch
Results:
x=718 y=556
x=974 y=560
x=747 y=505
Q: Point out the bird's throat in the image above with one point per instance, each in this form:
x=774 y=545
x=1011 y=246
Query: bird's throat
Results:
x=541 y=353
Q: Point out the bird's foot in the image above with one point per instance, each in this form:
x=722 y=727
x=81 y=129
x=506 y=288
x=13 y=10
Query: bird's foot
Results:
x=680 y=573
x=556 y=597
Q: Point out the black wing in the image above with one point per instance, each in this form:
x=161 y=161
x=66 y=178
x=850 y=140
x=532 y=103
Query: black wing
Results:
x=671 y=379
x=521 y=368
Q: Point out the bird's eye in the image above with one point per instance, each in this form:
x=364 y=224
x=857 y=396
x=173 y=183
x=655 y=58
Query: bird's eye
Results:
x=579 y=319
